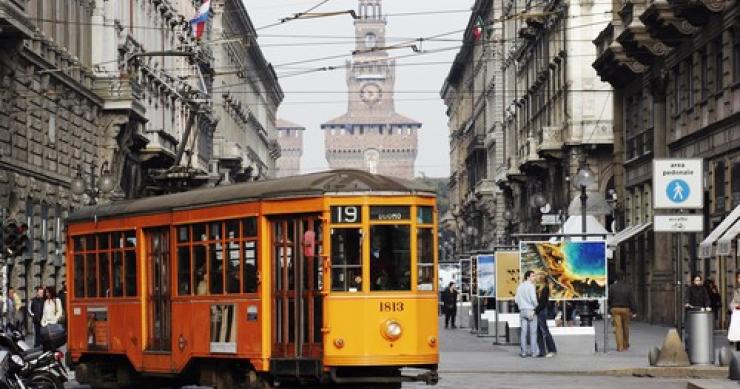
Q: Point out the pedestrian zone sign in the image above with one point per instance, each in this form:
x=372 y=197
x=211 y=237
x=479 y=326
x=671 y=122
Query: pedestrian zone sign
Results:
x=678 y=183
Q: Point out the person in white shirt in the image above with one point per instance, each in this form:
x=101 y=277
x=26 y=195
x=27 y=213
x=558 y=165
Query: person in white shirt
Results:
x=526 y=300
x=53 y=308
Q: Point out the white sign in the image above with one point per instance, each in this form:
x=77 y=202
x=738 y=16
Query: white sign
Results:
x=678 y=223
x=678 y=183
x=550 y=220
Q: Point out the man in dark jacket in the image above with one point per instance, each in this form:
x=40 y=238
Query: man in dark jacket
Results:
x=62 y=295
x=545 y=342
x=622 y=309
x=449 y=304
x=36 y=311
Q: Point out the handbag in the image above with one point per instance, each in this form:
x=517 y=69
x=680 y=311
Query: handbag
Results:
x=733 y=333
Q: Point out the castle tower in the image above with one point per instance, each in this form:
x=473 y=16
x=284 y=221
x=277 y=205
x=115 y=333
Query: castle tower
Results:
x=290 y=138
x=371 y=135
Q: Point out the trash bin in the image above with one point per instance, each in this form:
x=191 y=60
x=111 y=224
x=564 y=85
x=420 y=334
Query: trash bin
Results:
x=700 y=342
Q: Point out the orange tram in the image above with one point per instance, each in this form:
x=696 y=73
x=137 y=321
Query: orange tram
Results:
x=325 y=278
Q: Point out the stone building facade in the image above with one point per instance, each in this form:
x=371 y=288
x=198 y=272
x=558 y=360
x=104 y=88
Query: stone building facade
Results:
x=675 y=69
x=246 y=96
x=118 y=88
x=290 y=138
x=371 y=135
x=526 y=112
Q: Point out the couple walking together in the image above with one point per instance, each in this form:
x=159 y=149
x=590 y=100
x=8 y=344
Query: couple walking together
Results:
x=533 y=312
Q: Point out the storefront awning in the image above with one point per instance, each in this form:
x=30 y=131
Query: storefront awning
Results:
x=705 y=247
x=628 y=233
x=724 y=244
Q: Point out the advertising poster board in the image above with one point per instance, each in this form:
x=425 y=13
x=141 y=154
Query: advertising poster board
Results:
x=448 y=272
x=486 y=276
x=466 y=272
x=576 y=269
x=507 y=274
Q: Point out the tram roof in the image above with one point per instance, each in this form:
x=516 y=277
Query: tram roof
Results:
x=306 y=185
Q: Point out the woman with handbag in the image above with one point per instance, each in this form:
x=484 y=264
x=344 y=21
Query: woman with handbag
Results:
x=733 y=333
x=53 y=309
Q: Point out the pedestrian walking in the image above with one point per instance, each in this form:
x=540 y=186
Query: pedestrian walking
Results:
x=545 y=342
x=449 y=304
x=12 y=308
x=36 y=312
x=733 y=333
x=715 y=299
x=698 y=298
x=62 y=294
x=622 y=309
x=526 y=300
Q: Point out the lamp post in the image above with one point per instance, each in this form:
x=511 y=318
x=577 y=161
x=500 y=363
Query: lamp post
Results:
x=105 y=185
x=508 y=216
x=584 y=178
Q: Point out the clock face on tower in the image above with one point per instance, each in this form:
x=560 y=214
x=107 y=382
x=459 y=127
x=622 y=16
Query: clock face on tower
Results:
x=371 y=93
x=370 y=40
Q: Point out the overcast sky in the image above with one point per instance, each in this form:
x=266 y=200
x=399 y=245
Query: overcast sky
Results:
x=315 y=97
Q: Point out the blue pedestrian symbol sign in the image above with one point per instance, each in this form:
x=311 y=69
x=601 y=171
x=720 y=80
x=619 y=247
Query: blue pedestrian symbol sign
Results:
x=678 y=191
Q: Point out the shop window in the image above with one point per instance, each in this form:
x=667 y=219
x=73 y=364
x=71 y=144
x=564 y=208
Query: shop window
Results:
x=346 y=266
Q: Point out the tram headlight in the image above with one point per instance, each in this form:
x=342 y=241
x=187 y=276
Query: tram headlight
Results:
x=391 y=330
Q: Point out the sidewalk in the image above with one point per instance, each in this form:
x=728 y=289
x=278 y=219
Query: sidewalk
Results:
x=463 y=351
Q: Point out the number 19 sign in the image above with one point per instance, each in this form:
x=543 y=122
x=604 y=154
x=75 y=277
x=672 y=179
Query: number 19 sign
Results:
x=678 y=183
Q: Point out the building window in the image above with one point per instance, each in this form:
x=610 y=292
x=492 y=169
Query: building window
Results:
x=676 y=90
x=704 y=74
x=719 y=186
x=688 y=83
x=736 y=55
x=735 y=185
x=718 y=66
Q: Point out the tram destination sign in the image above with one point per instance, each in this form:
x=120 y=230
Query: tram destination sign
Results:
x=678 y=183
x=390 y=213
x=346 y=214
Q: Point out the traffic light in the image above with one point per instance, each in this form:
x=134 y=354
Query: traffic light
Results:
x=15 y=238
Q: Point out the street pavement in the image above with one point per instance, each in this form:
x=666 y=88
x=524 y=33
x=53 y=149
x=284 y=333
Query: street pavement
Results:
x=469 y=361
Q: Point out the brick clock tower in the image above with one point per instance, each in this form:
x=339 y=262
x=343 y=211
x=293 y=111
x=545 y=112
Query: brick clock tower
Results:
x=371 y=135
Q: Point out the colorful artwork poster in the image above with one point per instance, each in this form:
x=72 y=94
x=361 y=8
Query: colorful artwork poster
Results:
x=486 y=276
x=576 y=270
x=507 y=274
x=448 y=272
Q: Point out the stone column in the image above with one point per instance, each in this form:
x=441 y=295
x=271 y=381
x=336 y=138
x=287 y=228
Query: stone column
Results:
x=662 y=280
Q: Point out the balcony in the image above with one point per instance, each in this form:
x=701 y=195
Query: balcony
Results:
x=121 y=94
x=612 y=63
x=530 y=158
x=536 y=17
x=484 y=188
x=663 y=23
x=635 y=37
x=14 y=21
x=550 y=142
x=696 y=12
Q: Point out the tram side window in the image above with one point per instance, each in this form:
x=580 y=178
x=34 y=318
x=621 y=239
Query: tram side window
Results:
x=217 y=257
x=390 y=257
x=346 y=266
x=425 y=259
x=103 y=263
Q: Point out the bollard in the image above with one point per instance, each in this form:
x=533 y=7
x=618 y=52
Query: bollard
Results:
x=735 y=367
x=725 y=356
x=653 y=356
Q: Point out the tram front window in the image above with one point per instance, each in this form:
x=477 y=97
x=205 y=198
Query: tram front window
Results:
x=390 y=257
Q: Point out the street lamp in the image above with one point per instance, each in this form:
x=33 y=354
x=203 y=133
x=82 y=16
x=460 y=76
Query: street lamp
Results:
x=584 y=178
x=105 y=185
x=508 y=216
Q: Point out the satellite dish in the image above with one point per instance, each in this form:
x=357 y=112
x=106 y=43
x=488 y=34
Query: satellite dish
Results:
x=546 y=208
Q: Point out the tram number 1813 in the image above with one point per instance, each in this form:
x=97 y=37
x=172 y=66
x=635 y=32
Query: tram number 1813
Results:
x=391 y=306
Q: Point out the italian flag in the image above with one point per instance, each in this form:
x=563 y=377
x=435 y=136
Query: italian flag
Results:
x=478 y=28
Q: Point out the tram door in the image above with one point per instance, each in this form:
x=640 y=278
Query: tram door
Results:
x=158 y=277
x=296 y=283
